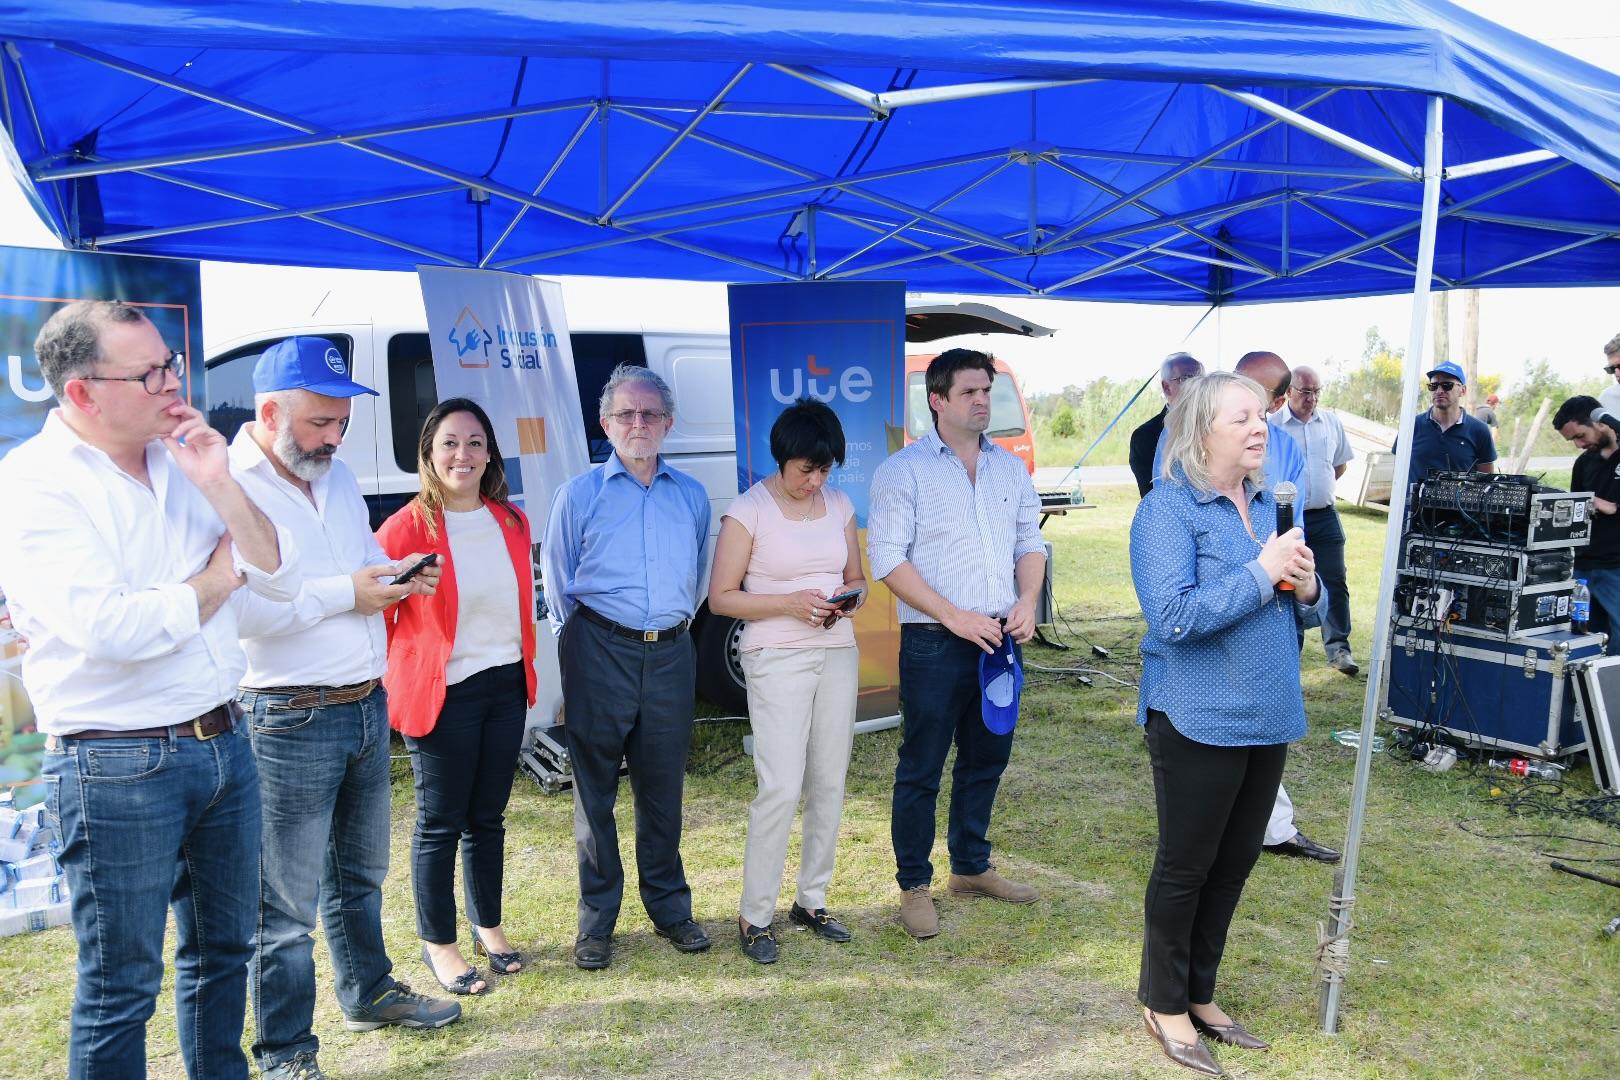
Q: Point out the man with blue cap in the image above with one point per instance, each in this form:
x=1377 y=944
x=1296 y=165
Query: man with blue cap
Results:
x=319 y=717
x=1445 y=437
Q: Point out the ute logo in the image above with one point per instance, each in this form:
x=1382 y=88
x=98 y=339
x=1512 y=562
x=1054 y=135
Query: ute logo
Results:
x=853 y=384
x=14 y=373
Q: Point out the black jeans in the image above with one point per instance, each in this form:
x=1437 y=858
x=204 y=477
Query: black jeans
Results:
x=940 y=703
x=1325 y=535
x=1213 y=802
x=464 y=769
x=627 y=701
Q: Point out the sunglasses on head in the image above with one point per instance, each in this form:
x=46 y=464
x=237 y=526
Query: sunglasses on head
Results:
x=1443 y=384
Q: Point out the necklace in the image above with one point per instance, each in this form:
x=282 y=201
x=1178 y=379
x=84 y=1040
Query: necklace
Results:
x=787 y=503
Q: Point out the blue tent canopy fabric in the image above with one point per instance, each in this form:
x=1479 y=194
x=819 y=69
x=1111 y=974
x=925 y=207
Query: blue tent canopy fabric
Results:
x=1171 y=151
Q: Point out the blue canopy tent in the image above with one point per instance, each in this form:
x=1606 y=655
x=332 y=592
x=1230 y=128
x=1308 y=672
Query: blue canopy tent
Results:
x=1167 y=151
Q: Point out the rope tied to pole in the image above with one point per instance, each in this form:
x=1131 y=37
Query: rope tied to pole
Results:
x=1333 y=950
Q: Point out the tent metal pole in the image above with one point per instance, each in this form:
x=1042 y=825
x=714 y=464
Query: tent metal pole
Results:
x=1515 y=264
x=1328 y=135
x=1337 y=948
x=680 y=137
x=1507 y=161
x=562 y=156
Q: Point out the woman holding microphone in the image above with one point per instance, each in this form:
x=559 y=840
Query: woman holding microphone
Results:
x=460 y=679
x=787 y=562
x=1223 y=597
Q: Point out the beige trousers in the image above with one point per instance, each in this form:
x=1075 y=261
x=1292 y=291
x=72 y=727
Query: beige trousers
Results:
x=801 y=704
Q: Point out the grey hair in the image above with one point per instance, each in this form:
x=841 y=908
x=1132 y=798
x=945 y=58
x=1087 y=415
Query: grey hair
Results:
x=1613 y=346
x=1174 y=360
x=1190 y=419
x=633 y=373
x=69 y=344
x=284 y=400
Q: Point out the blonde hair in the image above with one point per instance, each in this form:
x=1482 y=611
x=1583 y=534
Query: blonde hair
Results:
x=1190 y=419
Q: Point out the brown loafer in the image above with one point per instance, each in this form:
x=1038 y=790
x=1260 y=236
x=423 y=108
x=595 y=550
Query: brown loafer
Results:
x=993 y=885
x=1193 y=1055
x=1230 y=1034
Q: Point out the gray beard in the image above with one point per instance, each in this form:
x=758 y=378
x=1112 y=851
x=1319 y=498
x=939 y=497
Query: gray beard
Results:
x=298 y=461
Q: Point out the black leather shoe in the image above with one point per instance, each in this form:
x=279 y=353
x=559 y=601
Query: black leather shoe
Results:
x=1302 y=846
x=686 y=935
x=821 y=924
x=758 y=943
x=592 y=953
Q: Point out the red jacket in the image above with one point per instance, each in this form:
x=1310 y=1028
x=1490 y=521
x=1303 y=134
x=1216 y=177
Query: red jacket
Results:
x=422 y=629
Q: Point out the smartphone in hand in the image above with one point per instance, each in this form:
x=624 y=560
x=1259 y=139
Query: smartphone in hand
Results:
x=421 y=564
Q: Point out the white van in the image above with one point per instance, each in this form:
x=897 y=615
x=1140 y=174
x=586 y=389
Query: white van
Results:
x=391 y=353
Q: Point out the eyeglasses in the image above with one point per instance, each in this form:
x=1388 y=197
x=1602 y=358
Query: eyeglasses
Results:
x=1307 y=393
x=1611 y=368
x=1179 y=379
x=629 y=417
x=154 y=379
x=1444 y=385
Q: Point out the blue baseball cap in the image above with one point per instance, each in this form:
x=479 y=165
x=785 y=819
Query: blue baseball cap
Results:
x=1450 y=368
x=1001 y=684
x=306 y=363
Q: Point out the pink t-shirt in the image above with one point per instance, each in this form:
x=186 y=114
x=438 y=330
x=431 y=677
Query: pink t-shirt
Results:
x=789 y=555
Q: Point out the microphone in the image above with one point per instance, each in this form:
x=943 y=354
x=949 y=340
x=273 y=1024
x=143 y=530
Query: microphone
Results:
x=1285 y=494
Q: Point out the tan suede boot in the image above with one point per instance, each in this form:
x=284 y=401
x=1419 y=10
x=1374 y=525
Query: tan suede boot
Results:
x=917 y=912
x=993 y=885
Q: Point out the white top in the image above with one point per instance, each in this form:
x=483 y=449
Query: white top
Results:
x=790 y=554
x=963 y=538
x=1610 y=398
x=1325 y=446
x=487 y=630
x=318 y=639
x=94 y=564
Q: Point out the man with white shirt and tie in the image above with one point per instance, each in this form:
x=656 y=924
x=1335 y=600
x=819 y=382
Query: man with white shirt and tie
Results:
x=318 y=715
x=953 y=533
x=122 y=547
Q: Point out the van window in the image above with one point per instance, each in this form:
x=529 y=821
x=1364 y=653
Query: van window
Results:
x=230 y=382
x=412 y=393
x=1006 y=409
x=595 y=357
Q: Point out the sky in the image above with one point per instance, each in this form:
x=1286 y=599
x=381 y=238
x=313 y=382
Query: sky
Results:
x=1566 y=327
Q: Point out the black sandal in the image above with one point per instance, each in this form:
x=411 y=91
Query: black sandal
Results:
x=502 y=963
x=461 y=985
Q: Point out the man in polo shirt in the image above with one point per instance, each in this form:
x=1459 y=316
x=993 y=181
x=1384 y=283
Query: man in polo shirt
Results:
x=319 y=717
x=1584 y=422
x=1320 y=436
x=1446 y=438
x=124 y=545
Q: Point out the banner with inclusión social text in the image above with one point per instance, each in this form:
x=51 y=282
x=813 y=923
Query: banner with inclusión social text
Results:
x=502 y=340
x=842 y=343
x=34 y=284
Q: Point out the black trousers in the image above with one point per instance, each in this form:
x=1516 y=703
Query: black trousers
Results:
x=627 y=700
x=464 y=769
x=1213 y=802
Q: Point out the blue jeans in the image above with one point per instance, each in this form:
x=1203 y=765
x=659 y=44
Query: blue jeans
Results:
x=324 y=775
x=146 y=824
x=1604 y=585
x=940 y=703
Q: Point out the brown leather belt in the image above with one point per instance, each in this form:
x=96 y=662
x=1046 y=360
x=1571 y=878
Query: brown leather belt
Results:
x=314 y=697
x=215 y=721
x=643 y=636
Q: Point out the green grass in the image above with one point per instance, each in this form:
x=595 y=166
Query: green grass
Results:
x=1471 y=958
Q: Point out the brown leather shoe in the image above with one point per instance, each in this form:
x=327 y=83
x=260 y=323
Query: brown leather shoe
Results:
x=1233 y=1034
x=1193 y=1055
x=917 y=912
x=993 y=885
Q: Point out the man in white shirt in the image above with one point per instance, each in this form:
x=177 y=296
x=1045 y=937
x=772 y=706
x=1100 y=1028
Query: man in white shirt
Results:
x=318 y=717
x=122 y=547
x=1610 y=397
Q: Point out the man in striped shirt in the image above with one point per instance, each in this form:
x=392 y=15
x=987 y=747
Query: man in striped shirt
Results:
x=953 y=532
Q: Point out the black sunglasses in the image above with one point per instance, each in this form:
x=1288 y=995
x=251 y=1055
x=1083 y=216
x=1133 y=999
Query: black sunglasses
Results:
x=1443 y=384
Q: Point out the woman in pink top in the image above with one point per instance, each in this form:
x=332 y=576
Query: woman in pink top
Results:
x=786 y=555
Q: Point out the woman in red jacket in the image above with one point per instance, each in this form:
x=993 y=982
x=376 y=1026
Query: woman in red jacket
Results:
x=460 y=678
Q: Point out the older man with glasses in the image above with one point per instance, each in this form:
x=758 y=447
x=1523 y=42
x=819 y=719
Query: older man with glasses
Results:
x=1446 y=438
x=124 y=541
x=1321 y=438
x=624 y=553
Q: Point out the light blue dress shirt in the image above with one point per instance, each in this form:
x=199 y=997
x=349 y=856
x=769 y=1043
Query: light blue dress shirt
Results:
x=1325 y=446
x=1221 y=654
x=631 y=553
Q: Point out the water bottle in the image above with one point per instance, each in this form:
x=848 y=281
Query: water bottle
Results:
x=1534 y=770
x=1580 y=606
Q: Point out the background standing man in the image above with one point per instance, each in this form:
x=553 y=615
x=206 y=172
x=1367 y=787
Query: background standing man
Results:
x=953 y=533
x=1443 y=436
x=624 y=553
x=1320 y=437
x=1610 y=398
x=1584 y=422
x=123 y=541
x=319 y=718
x=1176 y=370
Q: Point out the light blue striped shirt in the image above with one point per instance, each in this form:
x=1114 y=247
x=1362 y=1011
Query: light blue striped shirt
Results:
x=963 y=537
